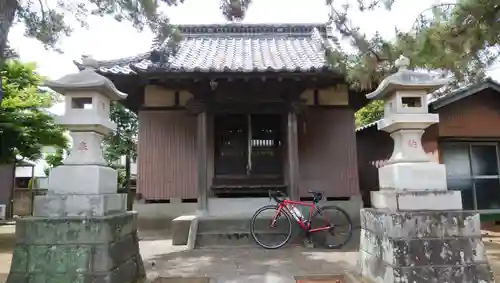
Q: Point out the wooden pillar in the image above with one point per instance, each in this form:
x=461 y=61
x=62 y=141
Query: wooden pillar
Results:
x=293 y=156
x=201 y=140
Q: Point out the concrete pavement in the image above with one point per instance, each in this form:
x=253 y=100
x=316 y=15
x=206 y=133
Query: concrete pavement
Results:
x=229 y=265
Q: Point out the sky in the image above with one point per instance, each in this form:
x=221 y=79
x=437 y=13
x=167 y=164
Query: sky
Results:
x=107 y=39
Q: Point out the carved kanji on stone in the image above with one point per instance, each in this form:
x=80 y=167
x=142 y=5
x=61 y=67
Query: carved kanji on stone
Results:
x=412 y=143
x=82 y=146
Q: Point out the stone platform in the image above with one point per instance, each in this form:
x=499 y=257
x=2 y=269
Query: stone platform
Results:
x=423 y=246
x=77 y=249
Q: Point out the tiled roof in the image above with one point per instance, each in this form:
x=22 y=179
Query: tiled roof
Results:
x=464 y=92
x=236 y=48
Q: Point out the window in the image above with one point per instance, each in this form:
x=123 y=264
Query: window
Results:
x=472 y=168
x=411 y=101
x=81 y=102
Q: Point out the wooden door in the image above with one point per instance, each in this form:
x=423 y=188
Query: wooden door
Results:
x=231 y=144
x=266 y=146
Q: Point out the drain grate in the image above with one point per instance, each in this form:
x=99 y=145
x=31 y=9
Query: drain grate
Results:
x=320 y=279
x=182 y=280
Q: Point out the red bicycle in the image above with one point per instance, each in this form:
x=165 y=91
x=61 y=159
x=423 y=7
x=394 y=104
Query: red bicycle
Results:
x=280 y=216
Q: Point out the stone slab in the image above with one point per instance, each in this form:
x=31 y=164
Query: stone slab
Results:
x=83 y=179
x=397 y=121
x=413 y=176
x=423 y=246
x=180 y=229
x=415 y=201
x=77 y=249
x=421 y=224
x=182 y=280
x=60 y=205
x=321 y=279
x=261 y=278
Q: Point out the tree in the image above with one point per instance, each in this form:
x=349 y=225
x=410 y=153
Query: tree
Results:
x=460 y=40
x=49 y=23
x=372 y=112
x=122 y=142
x=26 y=126
x=55 y=159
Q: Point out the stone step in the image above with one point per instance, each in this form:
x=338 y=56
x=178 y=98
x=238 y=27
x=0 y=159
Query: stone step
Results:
x=347 y=277
x=219 y=231
x=234 y=239
x=235 y=232
x=211 y=224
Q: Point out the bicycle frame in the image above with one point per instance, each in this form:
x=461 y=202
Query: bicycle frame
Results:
x=284 y=204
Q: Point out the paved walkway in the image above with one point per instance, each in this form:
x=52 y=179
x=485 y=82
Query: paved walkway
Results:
x=6 y=244
x=233 y=265
x=161 y=259
x=240 y=265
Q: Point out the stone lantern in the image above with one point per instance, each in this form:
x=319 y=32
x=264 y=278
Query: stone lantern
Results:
x=87 y=99
x=410 y=169
x=79 y=223
x=417 y=230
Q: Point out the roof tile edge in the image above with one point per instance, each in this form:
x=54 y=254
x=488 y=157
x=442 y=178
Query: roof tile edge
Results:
x=304 y=29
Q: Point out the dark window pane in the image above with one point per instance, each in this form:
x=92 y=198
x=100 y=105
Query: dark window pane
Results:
x=456 y=158
x=487 y=193
x=465 y=186
x=484 y=160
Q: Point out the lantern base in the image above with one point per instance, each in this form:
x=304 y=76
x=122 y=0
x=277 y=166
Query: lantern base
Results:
x=419 y=176
x=415 y=201
x=83 y=179
x=62 y=205
x=77 y=249
x=422 y=246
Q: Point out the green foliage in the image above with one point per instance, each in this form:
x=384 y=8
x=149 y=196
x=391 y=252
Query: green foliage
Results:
x=49 y=22
x=33 y=184
x=460 y=40
x=453 y=38
x=122 y=179
x=124 y=139
x=122 y=142
x=25 y=124
x=55 y=159
x=370 y=113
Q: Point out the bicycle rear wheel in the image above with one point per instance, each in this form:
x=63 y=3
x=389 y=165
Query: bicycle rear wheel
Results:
x=267 y=235
x=341 y=227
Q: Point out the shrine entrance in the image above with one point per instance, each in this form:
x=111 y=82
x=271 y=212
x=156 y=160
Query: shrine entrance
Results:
x=248 y=154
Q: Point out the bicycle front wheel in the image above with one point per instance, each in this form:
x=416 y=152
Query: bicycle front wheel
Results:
x=271 y=234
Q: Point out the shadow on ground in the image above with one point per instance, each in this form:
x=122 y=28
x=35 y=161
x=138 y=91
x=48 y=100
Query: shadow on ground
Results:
x=491 y=239
x=164 y=260
x=7 y=242
x=235 y=262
